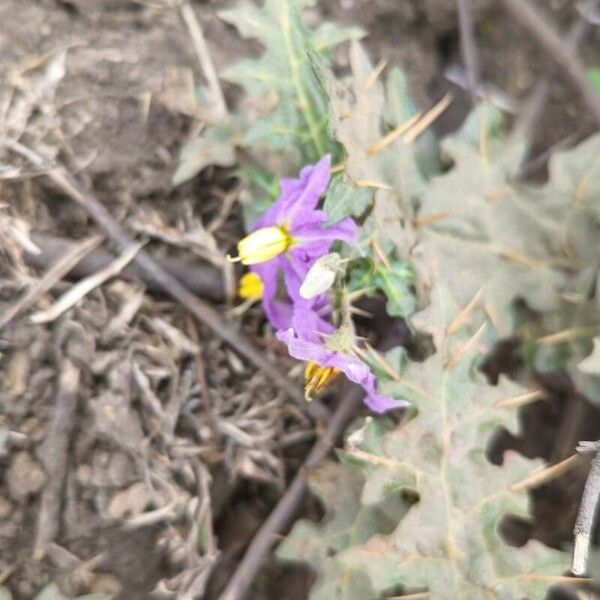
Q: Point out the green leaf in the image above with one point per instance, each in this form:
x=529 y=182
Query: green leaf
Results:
x=347 y=522
x=448 y=543
x=344 y=199
x=284 y=72
x=215 y=146
x=593 y=74
x=489 y=235
x=396 y=282
x=5 y=594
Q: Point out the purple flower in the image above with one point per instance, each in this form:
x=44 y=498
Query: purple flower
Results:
x=284 y=244
x=325 y=363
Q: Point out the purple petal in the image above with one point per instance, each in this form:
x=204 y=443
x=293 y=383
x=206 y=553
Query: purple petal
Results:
x=279 y=312
x=298 y=195
x=344 y=230
x=354 y=369
x=309 y=322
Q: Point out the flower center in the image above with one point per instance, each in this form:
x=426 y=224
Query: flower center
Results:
x=250 y=287
x=263 y=245
x=317 y=377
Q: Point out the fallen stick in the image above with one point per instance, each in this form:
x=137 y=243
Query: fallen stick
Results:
x=557 y=49
x=56 y=271
x=55 y=456
x=287 y=506
x=207 y=315
x=468 y=48
x=587 y=511
x=203 y=280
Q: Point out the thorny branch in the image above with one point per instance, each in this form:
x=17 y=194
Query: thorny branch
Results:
x=587 y=510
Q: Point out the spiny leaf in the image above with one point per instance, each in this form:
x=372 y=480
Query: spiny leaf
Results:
x=570 y=205
x=344 y=199
x=571 y=200
x=448 y=544
x=486 y=230
x=358 y=123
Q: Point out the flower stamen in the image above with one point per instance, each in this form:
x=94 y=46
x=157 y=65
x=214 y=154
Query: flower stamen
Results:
x=250 y=287
x=317 y=378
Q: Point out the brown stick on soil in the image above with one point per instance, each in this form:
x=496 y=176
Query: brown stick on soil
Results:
x=204 y=280
x=55 y=456
x=558 y=50
x=161 y=277
x=287 y=506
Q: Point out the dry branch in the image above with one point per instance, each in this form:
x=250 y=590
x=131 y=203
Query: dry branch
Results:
x=534 y=105
x=287 y=506
x=55 y=456
x=587 y=512
x=205 y=281
x=55 y=273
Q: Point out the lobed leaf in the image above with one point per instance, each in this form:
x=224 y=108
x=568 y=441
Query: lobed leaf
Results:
x=448 y=543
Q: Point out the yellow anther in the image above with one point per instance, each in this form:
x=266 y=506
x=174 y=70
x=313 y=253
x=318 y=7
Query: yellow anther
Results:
x=262 y=245
x=317 y=377
x=250 y=287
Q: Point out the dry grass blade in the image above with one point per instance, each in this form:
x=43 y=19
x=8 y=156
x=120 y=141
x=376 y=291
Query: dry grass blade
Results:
x=85 y=286
x=206 y=63
x=54 y=274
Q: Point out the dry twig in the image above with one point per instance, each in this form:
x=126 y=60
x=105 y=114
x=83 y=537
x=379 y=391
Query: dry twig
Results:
x=468 y=48
x=534 y=105
x=287 y=506
x=558 y=50
x=55 y=273
x=55 y=455
x=206 y=64
x=201 y=279
x=85 y=286
x=587 y=510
